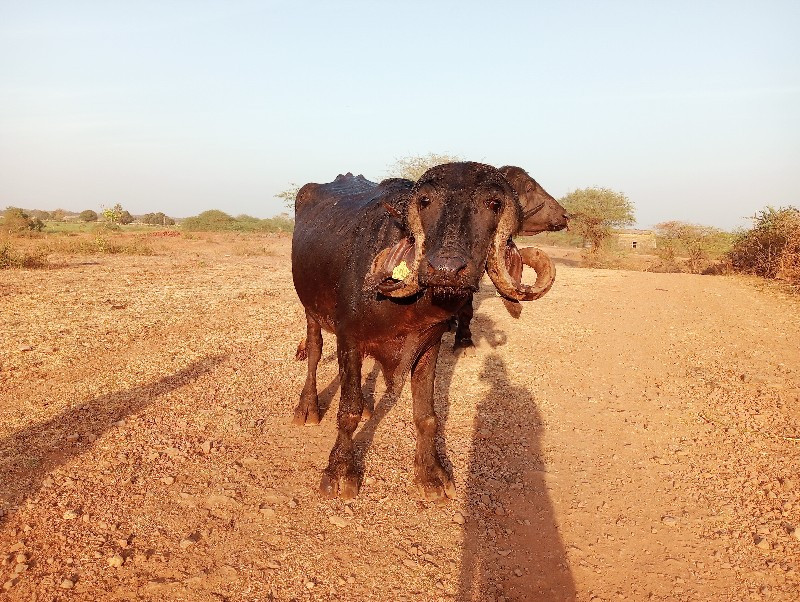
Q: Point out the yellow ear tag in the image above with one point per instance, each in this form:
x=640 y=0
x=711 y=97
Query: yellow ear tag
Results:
x=401 y=271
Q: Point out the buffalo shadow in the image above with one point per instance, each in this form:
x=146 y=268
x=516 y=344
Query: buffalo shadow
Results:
x=27 y=456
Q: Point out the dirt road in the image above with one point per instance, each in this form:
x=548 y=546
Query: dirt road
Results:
x=632 y=436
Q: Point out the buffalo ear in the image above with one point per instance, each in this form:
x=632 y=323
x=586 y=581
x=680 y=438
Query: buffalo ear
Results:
x=393 y=211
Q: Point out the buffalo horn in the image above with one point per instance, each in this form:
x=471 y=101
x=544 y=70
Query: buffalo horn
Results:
x=506 y=284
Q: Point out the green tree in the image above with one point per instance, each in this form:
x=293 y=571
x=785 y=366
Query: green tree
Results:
x=125 y=218
x=412 y=167
x=157 y=219
x=595 y=211
x=113 y=214
x=88 y=216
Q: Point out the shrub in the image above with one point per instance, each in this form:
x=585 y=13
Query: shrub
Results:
x=698 y=244
x=13 y=258
x=789 y=269
x=219 y=221
x=88 y=216
x=16 y=221
x=212 y=220
x=760 y=250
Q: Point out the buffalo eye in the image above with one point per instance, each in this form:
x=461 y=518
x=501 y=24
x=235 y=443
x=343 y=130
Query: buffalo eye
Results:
x=424 y=202
x=494 y=204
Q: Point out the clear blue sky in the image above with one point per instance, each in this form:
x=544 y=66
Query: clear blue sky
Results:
x=690 y=108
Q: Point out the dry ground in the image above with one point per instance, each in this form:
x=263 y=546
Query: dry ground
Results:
x=632 y=436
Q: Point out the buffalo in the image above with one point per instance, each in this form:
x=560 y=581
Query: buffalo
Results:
x=540 y=213
x=385 y=267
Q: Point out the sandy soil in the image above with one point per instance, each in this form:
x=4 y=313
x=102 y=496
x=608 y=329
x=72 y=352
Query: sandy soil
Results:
x=633 y=436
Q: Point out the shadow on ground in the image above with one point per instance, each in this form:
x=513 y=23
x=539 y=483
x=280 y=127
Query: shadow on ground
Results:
x=512 y=548
x=29 y=455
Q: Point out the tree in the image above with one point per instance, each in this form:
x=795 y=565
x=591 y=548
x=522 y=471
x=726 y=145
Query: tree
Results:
x=411 y=168
x=157 y=219
x=125 y=218
x=113 y=214
x=595 y=211
x=289 y=196
x=88 y=216
x=42 y=215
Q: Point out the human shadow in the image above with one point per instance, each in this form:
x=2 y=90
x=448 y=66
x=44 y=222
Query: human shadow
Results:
x=30 y=454
x=485 y=332
x=512 y=547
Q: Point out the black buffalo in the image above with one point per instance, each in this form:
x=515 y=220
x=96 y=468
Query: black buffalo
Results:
x=384 y=267
x=540 y=213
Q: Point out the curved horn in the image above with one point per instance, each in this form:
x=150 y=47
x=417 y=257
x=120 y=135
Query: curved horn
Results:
x=508 y=286
x=410 y=284
x=496 y=264
x=545 y=272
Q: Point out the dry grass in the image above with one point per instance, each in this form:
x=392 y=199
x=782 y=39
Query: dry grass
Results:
x=13 y=257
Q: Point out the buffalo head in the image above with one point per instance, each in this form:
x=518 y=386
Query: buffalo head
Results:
x=540 y=211
x=459 y=218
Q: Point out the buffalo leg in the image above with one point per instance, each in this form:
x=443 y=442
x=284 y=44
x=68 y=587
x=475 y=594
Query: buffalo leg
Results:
x=431 y=478
x=340 y=478
x=463 y=333
x=307 y=411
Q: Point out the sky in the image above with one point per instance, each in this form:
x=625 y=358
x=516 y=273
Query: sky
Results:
x=692 y=109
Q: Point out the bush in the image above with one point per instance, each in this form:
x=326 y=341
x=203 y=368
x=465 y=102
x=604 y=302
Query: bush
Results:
x=88 y=216
x=789 y=269
x=769 y=248
x=213 y=220
x=16 y=221
x=698 y=244
x=219 y=221
x=12 y=258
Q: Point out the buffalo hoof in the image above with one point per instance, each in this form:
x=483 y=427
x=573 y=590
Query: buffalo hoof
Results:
x=435 y=486
x=344 y=487
x=306 y=413
x=464 y=347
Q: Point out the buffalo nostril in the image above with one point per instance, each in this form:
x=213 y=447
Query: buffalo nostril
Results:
x=449 y=265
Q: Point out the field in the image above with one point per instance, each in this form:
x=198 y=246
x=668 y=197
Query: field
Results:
x=633 y=436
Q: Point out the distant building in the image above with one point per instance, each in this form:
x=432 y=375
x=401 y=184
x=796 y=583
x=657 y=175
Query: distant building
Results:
x=636 y=239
